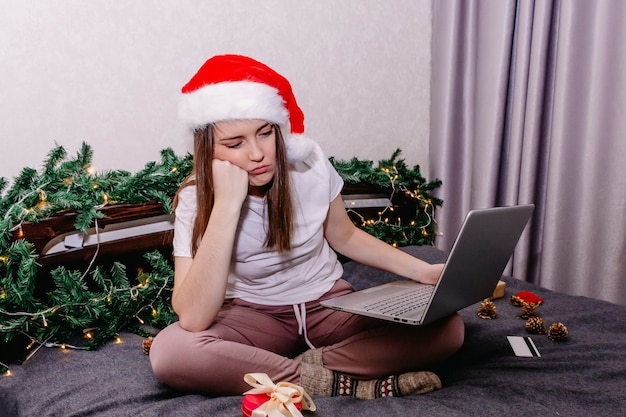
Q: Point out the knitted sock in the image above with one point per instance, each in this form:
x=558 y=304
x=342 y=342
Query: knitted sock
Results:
x=410 y=383
x=319 y=381
x=314 y=378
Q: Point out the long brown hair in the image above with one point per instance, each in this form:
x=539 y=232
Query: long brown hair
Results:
x=278 y=196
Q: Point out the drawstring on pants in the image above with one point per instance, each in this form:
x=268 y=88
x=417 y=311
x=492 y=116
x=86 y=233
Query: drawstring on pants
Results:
x=300 y=312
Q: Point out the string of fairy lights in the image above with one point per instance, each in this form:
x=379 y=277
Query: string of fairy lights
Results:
x=109 y=291
x=94 y=303
x=426 y=205
x=90 y=307
x=418 y=227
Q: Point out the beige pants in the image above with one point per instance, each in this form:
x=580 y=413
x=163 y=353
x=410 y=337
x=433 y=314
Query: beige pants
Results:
x=249 y=338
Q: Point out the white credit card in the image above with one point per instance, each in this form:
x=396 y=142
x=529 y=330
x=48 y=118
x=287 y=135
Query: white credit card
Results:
x=523 y=346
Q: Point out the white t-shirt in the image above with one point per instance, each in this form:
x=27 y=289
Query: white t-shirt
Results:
x=263 y=276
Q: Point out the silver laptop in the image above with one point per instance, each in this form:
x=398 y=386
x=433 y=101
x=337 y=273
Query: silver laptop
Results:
x=472 y=270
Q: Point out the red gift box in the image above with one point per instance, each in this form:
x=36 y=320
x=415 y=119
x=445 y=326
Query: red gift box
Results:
x=253 y=401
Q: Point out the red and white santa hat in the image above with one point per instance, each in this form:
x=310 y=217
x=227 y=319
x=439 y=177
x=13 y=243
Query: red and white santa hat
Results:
x=230 y=87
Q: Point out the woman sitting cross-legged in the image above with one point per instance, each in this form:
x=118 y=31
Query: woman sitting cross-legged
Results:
x=258 y=225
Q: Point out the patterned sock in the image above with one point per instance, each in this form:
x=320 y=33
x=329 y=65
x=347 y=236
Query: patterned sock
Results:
x=319 y=381
x=316 y=380
x=410 y=383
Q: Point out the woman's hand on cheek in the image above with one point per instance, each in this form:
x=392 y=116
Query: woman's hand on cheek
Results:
x=230 y=183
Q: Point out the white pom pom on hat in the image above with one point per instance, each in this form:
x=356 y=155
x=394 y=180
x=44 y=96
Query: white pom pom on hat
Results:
x=229 y=87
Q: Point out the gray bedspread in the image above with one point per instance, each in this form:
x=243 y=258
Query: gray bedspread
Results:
x=584 y=376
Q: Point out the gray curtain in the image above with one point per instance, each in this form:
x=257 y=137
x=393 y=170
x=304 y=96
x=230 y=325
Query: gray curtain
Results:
x=529 y=106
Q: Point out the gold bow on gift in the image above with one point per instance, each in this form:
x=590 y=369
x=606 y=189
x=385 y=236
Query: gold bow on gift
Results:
x=283 y=396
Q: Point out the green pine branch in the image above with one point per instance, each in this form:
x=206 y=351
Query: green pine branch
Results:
x=400 y=182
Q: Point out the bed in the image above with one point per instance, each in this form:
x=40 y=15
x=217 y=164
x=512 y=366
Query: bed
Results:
x=582 y=376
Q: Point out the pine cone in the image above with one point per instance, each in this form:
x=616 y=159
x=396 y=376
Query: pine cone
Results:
x=536 y=325
x=487 y=310
x=146 y=345
x=516 y=301
x=528 y=310
x=558 y=332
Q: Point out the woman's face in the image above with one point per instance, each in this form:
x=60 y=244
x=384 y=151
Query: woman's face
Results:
x=250 y=145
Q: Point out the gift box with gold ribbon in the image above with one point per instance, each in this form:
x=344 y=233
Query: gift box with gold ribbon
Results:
x=267 y=399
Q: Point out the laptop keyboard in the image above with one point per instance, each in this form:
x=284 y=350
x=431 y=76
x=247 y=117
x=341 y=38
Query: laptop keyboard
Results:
x=401 y=303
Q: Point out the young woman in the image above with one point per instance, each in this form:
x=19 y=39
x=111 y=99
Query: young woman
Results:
x=257 y=226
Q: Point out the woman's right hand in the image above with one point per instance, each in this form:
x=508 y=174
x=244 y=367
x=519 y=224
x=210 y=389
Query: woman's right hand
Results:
x=230 y=183
x=200 y=282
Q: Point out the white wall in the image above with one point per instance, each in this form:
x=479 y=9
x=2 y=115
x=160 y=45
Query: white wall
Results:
x=109 y=73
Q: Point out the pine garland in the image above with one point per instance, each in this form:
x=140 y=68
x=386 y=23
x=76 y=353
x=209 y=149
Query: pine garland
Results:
x=68 y=184
x=399 y=182
x=101 y=301
x=96 y=304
